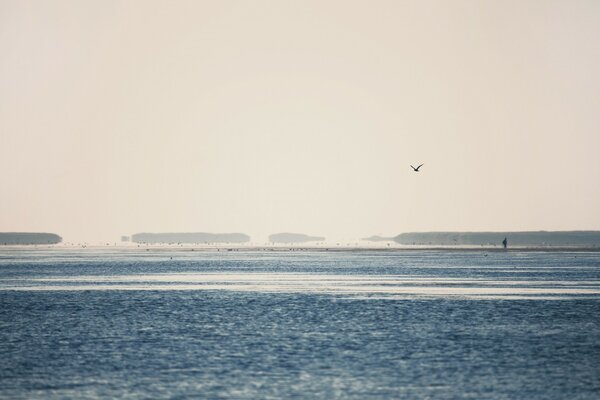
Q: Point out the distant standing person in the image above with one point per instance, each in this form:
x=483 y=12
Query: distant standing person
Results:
x=505 y=242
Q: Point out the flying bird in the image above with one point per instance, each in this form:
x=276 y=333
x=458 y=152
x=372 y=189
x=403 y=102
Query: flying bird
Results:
x=416 y=169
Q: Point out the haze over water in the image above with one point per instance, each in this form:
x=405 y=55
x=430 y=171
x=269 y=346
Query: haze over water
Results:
x=260 y=117
x=363 y=324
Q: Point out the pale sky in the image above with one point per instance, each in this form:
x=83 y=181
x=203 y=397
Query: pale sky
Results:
x=259 y=117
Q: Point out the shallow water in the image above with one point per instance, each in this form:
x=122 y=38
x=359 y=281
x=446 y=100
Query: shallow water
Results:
x=420 y=324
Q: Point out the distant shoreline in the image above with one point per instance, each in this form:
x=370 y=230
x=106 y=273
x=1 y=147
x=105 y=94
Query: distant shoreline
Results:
x=292 y=249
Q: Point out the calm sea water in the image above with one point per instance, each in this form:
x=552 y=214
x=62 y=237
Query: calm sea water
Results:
x=182 y=324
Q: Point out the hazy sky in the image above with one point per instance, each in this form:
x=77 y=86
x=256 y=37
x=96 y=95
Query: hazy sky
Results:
x=264 y=116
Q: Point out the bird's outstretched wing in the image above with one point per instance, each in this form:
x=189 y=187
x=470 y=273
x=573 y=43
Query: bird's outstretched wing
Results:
x=413 y=167
x=420 y=166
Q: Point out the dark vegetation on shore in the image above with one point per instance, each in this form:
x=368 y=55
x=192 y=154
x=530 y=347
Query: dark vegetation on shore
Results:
x=534 y=238
x=190 y=237
x=11 y=238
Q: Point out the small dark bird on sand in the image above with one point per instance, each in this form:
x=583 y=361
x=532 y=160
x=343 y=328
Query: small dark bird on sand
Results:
x=416 y=169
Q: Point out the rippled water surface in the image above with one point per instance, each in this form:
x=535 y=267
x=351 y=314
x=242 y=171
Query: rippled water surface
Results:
x=138 y=323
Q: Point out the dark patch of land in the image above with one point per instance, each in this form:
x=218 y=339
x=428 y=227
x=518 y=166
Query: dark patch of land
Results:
x=28 y=238
x=527 y=239
x=190 y=237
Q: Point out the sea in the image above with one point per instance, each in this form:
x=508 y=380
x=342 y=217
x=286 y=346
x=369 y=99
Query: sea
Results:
x=146 y=323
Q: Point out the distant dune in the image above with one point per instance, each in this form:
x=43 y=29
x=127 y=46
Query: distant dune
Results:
x=538 y=238
x=190 y=237
x=7 y=238
x=294 y=238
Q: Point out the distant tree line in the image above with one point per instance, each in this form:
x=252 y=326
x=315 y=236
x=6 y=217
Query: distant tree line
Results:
x=534 y=238
x=9 y=238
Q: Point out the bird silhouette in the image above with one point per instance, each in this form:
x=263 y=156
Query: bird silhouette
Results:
x=416 y=169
